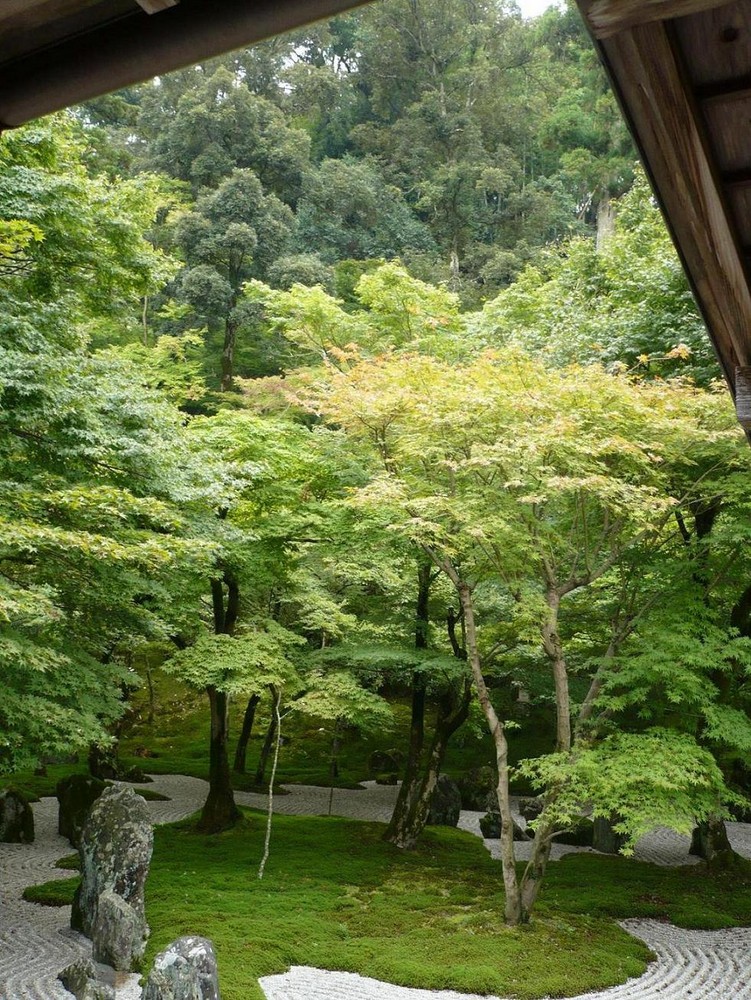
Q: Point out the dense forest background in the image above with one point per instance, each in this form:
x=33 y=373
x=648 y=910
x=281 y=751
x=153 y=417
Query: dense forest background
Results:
x=457 y=137
x=361 y=361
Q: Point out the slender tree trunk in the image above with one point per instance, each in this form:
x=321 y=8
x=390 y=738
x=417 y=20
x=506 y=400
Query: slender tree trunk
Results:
x=334 y=764
x=219 y=811
x=605 y=220
x=268 y=743
x=152 y=697
x=514 y=912
x=454 y=272
x=228 y=352
x=553 y=648
x=396 y=830
x=241 y=750
x=452 y=712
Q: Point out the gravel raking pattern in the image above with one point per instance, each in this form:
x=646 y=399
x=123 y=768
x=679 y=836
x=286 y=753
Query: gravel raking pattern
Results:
x=36 y=943
x=690 y=965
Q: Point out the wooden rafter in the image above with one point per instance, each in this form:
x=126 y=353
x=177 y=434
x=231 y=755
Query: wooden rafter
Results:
x=609 y=17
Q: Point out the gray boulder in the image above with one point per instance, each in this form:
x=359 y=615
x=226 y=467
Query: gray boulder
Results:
x=115 y=851
x=475 y=785
x=385 y=761
x=531 y=807
x=490 y=823
x=605 y=839
x=119 y=932
x=80 y=979
x=445 y=803
x=76 y=795
x=16 y=818
x=185 y=970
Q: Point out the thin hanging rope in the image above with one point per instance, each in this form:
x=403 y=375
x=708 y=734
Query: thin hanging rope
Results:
x=267 y=843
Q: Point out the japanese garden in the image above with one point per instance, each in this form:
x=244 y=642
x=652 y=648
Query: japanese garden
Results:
x=375 y=535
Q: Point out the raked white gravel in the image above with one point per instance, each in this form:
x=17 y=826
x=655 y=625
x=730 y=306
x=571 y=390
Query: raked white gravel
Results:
x=36 y=942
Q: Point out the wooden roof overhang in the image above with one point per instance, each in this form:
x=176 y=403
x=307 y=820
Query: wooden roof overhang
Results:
x=681 y=70
x=54 y=53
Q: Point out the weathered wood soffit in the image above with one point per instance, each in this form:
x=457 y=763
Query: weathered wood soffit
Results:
x=681 y=70
x=54 y=53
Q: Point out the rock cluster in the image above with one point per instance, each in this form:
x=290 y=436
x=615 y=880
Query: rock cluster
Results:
x=475 y=785
x=115 y=851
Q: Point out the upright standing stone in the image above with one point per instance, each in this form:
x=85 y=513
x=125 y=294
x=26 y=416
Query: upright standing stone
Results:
x=605 y=838
x=115 y=851
x=185 y=970
x=16 y=819
x=76 y=795
x=446 y=803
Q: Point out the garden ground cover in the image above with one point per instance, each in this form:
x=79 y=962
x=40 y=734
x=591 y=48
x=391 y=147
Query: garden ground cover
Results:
x=335 y=896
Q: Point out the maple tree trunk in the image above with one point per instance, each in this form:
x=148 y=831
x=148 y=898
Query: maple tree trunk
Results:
x=552 y=645
x=268 y=743
x=396 y=830
x=241 y=751
x=228 y=354
x=219 y=811
x=452 y=713
x=514 y=911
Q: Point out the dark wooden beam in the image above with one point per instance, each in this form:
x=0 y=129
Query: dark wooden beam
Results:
x=651 y=86
x=608 y=17
x=724 y=89
x=136 y=47
x=737 y=178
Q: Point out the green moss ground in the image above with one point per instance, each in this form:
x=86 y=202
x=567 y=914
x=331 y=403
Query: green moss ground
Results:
x=336 y=897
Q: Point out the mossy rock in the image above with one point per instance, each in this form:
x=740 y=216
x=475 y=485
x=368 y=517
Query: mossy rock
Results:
x=475 y=785
x=385 y=762
x=76 y=795
x=388 y=778
x=16 y=818
x=581 y=834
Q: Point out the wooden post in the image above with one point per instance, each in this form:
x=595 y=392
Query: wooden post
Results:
x=743 y=396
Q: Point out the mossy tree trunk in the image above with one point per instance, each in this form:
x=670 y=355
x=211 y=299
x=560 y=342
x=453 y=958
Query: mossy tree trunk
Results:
x=453 y=710
x=423 y=765
x=241 y=751
x=396 y=832
x=220 y=811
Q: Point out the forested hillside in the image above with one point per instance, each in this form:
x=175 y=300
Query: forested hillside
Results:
x=356 y=363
